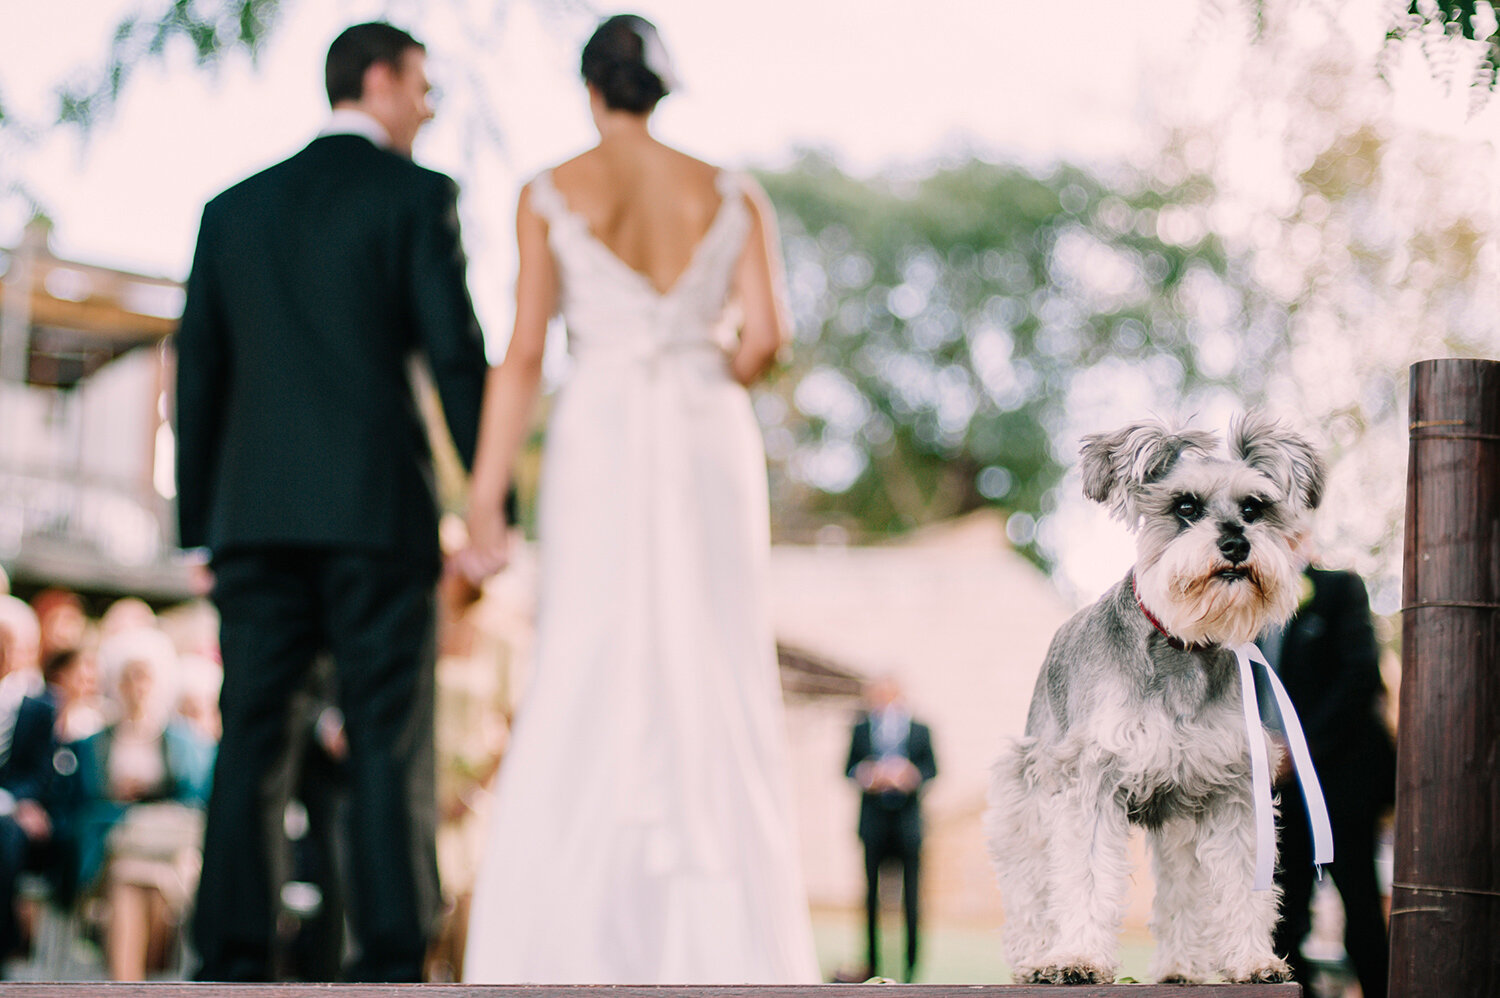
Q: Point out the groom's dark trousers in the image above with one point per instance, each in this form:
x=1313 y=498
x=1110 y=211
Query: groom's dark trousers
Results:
x=304 y=468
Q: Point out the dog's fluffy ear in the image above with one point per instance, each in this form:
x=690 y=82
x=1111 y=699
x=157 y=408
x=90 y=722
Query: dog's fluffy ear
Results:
x=1280 y=454
x=1117 y=466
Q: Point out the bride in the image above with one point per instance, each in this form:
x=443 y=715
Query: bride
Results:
x=642 y=831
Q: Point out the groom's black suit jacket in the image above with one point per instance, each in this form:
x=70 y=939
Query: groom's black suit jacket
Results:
x=312 y=285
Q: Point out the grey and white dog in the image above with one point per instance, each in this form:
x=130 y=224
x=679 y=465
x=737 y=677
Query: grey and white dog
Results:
x=1137 y=715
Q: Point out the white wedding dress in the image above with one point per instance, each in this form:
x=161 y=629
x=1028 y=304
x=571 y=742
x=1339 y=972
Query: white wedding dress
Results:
x=642 y=829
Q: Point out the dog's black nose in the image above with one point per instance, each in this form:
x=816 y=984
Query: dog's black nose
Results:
x=1234 y=547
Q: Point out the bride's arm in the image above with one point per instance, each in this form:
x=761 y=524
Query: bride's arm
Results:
x=760 y=285
x=511 y=389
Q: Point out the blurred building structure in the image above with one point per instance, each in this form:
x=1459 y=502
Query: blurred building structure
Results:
x=86 y=451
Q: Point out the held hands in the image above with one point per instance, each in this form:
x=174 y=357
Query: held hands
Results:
x=487 y=550
x=460 y=586
x=893 y=773
x=901 y=774
x=33 y=820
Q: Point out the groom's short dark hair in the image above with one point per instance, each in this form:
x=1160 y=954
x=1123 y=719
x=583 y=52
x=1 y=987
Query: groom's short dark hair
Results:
x=358 y=48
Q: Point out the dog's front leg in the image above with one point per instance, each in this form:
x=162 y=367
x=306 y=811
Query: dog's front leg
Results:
x=1089 y=868
x=1238 y=920
x=1177 y=921
x=1018 y=846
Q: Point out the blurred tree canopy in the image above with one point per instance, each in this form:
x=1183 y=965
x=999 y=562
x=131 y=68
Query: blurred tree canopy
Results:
x=1295 y=245
x=1298 y=248
x=1367 y=229
x=951 y=326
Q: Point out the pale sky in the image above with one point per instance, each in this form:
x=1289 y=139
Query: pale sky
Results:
x=874 y=82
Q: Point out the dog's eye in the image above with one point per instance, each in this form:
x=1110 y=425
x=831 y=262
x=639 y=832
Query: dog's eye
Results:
x=1189 y=508
x=1251 y=509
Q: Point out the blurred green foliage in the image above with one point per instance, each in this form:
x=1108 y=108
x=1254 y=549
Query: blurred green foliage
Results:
x=945 y=324
x=957 y=330
x=1370 y=231
x=212 y=28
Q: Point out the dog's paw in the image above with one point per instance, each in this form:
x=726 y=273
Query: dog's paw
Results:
x=1276 y=972
x=1074 y=973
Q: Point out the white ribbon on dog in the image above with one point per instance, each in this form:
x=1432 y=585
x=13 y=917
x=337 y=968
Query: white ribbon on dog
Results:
x=1312 y=792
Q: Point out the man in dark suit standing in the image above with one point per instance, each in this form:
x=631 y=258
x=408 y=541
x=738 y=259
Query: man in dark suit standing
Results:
x=1328 y=660
x=891 y=758
x=304 y=471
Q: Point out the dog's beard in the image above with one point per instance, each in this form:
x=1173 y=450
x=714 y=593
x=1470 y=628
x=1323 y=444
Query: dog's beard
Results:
x=1202 y=599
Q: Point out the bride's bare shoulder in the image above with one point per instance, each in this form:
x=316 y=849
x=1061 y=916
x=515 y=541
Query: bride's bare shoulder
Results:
x=688 y=172
x=690 y=164
x=585 y=168
x=594 y=175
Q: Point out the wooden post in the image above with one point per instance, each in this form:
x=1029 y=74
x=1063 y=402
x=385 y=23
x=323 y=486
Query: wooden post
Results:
x=1445 y=905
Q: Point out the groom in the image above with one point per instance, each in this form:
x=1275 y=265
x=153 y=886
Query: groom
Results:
x=304 y=473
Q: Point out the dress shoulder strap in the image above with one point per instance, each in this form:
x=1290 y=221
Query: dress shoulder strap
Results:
x=731 y=184
x=734 y=212
x=545 y=199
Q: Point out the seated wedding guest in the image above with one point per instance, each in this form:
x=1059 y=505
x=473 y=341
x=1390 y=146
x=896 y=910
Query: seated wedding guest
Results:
x=147 y=776
x=128 y=613
x=307 y=792
x=72 y=704
x=199 y=680
x=62 y=621
x=21 y=637
x=26 y=827
x=72 y=678
x=321 y=786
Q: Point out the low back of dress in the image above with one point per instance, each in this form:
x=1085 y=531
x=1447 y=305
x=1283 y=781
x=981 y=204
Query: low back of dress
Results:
x=611 y=309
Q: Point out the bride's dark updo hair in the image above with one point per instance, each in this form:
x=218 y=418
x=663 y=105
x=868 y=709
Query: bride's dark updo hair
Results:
x=616 y=63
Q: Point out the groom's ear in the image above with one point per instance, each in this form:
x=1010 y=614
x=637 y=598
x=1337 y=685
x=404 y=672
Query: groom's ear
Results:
x=379 y=79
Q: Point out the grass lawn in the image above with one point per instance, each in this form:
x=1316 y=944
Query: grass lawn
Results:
x=951 y=954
